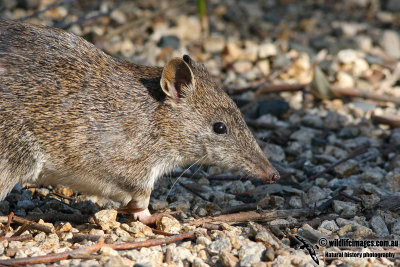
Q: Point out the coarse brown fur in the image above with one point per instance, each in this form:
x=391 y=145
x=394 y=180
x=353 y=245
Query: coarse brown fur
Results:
x=71 y=114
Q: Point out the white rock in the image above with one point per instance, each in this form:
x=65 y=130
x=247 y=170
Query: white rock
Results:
x=267 y=50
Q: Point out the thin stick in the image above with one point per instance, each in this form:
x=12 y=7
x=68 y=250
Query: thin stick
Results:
x=393 y=121
x=354 y=92
x=253 y=216
x=5 y=231
x=92 y=249
x=33 y=225
x=19 y=238
x=50 y=217
x=22 y=229
x=353 y=154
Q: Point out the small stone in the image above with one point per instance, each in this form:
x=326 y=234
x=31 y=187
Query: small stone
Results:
x=270 y=254
x=334 y=120
x=393 y=5
x=222 y=243
x=274 y=107
x=66 y=191
x=157 y=204
x=227 y=258
x=344 y=230
x=390 y=43
x=203 y=241
x=315 y=193
x=64 y=227
x=347 y=56
x=343 y=79
x=105 y=218
x=43 y=191
x=277 y=201
x=345 y=208
x=264 y=67
x=4 y=207
x=361 y=232
x=180 y=205
x=50 y=242
x=10 y=4
x=40 y=237
x=25 y=204
x=370 y=201
x=242 y=66
x=214 y=45
x=250 y=253
x=321 y=182
x=373 y=175
x=313 y=120
x=169 y=41
x=140 y=228
x=379 y=226
x=268 y=239
x=274 y=152
x=86 y=207
x=396 y=228
x=347 y=168
x=231 y=52
x=303 y=135
x=329 y=225
x=310 y=233
x=295 y=202
x=107 y=251
x=198 y=262
x=17 y=189
x=360 y=66
x=395 y=137
x=373 y=189
x=169 y=225
x=364 y=42
x=117 y=261
x=266 y=50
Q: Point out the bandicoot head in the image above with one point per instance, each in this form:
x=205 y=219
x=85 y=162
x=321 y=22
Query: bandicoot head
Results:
x=207 y=127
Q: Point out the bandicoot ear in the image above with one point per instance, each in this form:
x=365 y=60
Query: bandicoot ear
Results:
x=177 y=80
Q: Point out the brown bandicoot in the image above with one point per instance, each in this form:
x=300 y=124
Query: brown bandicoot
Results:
x=71 y=114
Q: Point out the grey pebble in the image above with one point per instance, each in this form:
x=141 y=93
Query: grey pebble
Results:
x=379 y=226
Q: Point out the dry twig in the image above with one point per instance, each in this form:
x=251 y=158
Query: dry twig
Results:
x=92 y=249
x=33 y=225
x=19 y=238
x=53 y=217
x=390 y=120
x=253 y=216
x=5 y=231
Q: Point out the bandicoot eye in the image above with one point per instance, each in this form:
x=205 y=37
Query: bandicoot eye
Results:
x=219 y=128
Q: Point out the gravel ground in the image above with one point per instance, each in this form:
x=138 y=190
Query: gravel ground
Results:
x=252 y=45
